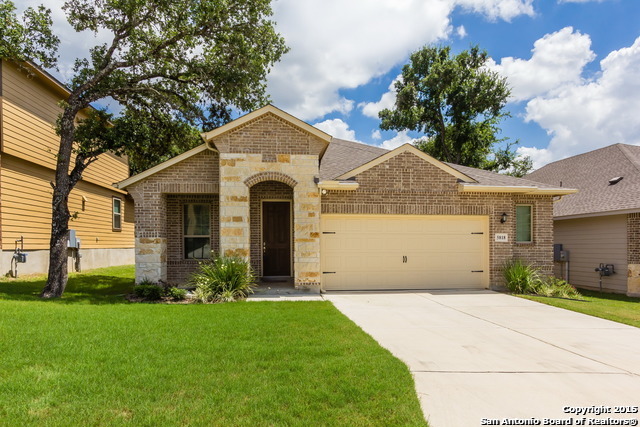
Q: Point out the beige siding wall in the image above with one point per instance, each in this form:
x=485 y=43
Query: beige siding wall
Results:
x=30 y=110
x=26 y=209
x=29 y=144
x=590 y=242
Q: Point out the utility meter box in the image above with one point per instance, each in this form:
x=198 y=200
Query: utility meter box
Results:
x=564 y=256
x=72 y=241
x=557 y=248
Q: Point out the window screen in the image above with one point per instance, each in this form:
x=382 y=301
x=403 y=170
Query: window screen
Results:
x=523 y=223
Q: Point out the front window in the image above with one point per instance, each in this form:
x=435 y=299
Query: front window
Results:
x=524 y=224
x=197 y=231
x=116 y=219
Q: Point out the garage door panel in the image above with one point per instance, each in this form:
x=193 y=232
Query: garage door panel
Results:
x=404 y=252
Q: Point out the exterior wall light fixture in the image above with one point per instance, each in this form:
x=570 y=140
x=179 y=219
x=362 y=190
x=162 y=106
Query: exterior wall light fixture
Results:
x=503 y=218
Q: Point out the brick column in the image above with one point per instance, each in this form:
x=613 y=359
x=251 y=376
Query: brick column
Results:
x=150 y=233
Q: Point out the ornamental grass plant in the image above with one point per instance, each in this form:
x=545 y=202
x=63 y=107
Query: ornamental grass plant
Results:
x=521 y=278
x=223 y=279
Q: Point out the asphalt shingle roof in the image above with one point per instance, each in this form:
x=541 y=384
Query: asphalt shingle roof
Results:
x=343 y=156
x=590 y=174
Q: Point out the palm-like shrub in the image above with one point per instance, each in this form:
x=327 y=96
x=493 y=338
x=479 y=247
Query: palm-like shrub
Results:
x=520 y=278
x=223 y=279
x=553 y=287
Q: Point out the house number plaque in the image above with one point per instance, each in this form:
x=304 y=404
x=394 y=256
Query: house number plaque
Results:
x=502 y=237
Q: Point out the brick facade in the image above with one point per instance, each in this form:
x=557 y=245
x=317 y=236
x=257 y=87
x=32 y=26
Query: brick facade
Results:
x=269 y=136
x=269 y=158
x=633 y=254
x=407 y=185
x=198 y=174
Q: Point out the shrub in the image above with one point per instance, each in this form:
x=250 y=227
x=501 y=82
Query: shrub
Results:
x=520 y=278
x=553 y=287
x=176 y=294
x=149 y=291
x=223 y=279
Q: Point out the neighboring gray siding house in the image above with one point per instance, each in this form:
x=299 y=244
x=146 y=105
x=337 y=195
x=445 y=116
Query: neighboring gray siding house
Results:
x=329 y=214
x=601 y=223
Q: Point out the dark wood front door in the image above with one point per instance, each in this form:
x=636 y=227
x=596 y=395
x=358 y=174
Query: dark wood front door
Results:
x=276 y=239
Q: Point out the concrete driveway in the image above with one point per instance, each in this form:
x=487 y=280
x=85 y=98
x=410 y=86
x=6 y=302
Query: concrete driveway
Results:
x=479 y=356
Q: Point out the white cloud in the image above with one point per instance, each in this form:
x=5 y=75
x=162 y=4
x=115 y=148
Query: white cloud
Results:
x=387 y=100
x=579 y=1
x=557 y=58
x=461 y=32
x=582 y=116
x=400 y=139
x=337 y=44
x=499 y=9
x=376 y=135
x=337 y=128
x=334 y=44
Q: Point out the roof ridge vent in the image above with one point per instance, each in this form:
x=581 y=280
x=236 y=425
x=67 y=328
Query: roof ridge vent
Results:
x=614 y=181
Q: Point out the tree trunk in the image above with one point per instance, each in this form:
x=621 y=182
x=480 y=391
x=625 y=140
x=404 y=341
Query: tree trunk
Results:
x=57 y=278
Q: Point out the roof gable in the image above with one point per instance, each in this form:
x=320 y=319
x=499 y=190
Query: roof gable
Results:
x=404 y=149
x=268 y=109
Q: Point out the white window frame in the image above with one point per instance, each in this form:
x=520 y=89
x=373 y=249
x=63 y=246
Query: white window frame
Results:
x=531 y=213
x=115 y=214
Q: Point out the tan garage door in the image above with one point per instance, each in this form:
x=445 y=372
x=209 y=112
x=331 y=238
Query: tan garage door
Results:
x=376 y=252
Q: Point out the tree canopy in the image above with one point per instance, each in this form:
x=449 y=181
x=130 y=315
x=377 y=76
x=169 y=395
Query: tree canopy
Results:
x=173 y=65
x=457 y=103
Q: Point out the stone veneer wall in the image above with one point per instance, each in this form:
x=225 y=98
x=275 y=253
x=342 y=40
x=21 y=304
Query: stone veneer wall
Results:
x=179 y=268
x=407 y=185
x=633 y=254
x=266 y=190
x=270 y=149
x=198 y=174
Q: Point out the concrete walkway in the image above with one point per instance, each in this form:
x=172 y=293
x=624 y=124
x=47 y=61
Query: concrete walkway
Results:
x=483 y=355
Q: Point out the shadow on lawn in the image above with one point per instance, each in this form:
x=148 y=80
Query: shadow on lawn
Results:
x=87 y=289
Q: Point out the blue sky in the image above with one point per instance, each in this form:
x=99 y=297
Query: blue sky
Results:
x=573 y=65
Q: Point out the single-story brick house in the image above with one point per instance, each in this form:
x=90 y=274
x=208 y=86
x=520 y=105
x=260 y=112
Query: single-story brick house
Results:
x=601 y=223
x=333 y=214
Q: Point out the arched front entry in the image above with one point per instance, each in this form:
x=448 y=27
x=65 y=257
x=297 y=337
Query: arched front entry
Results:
x=271 y=229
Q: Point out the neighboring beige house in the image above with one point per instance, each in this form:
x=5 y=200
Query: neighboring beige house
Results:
x=329 y=214
x=29 y=108
x=601 y=223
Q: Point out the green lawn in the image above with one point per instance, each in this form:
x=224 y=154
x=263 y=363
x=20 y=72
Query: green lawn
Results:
x=616 y=307
x=91 y=358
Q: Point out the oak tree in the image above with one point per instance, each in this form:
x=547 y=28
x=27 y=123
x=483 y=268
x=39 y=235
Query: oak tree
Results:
x=457 y=103
x=176 y=62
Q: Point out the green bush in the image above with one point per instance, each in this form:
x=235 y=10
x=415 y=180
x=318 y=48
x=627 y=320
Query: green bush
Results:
x=176 y=294
x=520 y=278
x=223 y=279
x=553 y=287
x=148 y=291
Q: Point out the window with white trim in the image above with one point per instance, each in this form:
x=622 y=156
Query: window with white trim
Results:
x=524 y=223
x=116 y=211
x=197 y=230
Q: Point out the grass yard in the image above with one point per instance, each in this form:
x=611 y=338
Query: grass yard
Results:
x=616 y=307
x=93 y=359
